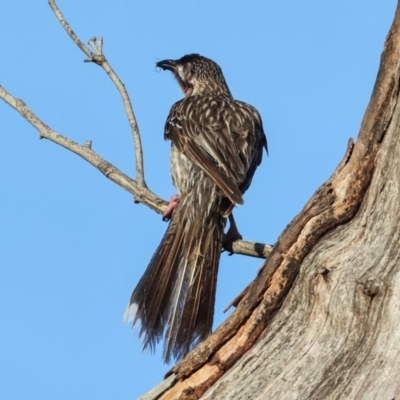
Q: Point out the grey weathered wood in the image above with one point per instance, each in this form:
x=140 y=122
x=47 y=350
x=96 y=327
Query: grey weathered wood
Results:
x=158 y=390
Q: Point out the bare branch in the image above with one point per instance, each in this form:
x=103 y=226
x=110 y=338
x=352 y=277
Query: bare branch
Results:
x=99 y=58
x=66 y=26
x=142 y=193
x=253 y=249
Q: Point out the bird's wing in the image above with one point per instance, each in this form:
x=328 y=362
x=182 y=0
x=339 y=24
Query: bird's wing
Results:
x=222 y=136
x=252 y=145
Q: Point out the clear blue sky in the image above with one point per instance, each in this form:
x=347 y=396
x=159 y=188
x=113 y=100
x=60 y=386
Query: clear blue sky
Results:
x=72 y=244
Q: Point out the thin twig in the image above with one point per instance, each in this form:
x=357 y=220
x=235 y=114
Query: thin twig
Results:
x=99 y=58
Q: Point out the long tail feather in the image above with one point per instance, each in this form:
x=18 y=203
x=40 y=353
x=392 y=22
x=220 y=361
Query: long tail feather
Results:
x=174 y=300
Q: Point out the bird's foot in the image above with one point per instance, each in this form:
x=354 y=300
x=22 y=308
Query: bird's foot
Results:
x=171 y=207
x=233 y=233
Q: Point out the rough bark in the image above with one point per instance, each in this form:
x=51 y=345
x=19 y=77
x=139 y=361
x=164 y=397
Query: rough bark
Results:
x=319 y=321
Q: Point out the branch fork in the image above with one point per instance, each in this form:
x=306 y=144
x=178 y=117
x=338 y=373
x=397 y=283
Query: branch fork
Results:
x=97 y=46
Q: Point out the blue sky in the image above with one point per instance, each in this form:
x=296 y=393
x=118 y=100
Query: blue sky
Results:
x=72 y=244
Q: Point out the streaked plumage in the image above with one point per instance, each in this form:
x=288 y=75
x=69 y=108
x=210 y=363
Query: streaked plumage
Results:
x=217 y=144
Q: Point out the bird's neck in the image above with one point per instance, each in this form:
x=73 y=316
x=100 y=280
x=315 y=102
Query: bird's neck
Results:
x=210 y=89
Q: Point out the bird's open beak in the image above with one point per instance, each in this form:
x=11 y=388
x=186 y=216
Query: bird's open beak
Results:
x=170 y=65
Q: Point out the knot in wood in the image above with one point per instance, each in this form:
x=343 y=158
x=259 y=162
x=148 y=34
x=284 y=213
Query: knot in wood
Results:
x=96 y=58
x=371 y=286
x=323 y=270
x=188 y=391
x=105 y=167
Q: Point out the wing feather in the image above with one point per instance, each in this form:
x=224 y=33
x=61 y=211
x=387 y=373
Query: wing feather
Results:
x=222 y=136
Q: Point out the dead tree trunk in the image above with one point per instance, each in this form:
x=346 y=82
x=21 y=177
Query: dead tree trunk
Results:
x=321 y=319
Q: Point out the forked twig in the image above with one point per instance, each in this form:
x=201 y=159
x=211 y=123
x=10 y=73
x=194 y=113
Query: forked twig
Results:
x=99 y=58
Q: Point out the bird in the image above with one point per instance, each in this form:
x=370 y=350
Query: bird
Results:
x=217 y=144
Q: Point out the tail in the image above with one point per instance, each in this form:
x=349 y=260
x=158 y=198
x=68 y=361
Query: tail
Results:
x=174 y=300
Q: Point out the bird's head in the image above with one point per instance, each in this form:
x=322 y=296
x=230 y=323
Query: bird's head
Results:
x=197 y=75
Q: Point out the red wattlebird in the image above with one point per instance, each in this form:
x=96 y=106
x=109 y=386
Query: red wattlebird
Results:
x=217 y=144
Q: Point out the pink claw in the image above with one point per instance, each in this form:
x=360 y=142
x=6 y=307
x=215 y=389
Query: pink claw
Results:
x=171 y=207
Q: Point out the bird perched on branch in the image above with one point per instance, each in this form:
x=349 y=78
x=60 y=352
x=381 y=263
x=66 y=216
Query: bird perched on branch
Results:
x=217 y=144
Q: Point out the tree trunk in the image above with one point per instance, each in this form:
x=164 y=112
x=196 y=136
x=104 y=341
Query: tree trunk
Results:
x=321 y=319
